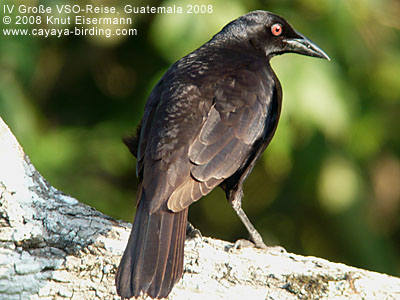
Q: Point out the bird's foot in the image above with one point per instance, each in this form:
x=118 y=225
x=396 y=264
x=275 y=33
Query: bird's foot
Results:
x=192 y=232
x=256 y=238
x=242 y=243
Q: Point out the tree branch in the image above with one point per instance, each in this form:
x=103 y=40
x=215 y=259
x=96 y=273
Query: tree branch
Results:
x=53 y=247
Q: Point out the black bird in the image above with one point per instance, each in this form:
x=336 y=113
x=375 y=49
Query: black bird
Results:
x=205 y=124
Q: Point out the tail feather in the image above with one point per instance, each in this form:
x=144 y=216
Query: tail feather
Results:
x=153 y=259
x=150 y=241
x=162 y=260
x=175 y=269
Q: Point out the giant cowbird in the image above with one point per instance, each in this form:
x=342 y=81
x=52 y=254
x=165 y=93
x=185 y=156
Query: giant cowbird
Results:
x=205 y=124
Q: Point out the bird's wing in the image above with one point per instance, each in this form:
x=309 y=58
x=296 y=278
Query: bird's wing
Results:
x=235 y=120
x=173 y=115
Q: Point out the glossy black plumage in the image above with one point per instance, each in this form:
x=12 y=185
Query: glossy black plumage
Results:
x=205 y=124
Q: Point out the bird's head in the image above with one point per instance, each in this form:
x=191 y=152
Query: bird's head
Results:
x=268 y=34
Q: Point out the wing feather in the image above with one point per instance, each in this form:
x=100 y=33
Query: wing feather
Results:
x=212 y=129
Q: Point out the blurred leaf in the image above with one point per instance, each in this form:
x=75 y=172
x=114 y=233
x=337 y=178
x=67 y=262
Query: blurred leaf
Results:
x=339 y=184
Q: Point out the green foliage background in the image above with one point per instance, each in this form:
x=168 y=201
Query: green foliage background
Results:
x=328 y=185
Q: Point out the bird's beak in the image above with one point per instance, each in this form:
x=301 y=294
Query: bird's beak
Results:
x=304 y=46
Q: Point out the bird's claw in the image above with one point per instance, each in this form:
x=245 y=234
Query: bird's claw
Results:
x=192 y=232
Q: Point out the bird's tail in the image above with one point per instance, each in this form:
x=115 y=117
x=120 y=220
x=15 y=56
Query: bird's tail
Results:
x=153 y=259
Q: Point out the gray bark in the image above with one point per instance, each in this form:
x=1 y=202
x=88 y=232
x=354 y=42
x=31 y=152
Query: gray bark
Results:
x=54 y=247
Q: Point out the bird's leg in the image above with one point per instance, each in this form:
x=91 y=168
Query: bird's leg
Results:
x=235 y=199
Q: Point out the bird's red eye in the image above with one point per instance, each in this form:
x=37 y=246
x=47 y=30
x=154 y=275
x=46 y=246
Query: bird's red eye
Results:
x=276 y=29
